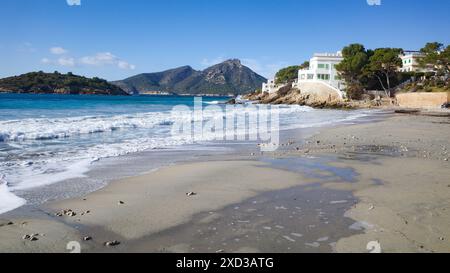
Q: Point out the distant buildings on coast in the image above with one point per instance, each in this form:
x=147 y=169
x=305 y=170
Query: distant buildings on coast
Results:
x=322 y=72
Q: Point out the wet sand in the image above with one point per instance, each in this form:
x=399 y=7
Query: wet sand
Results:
x=384 y=181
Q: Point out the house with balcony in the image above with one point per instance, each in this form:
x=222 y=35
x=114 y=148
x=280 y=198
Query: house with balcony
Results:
x=410 y=62
x=321 y=77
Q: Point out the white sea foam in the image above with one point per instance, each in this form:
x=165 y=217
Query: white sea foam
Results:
x=212 y=102
x=8 y=201
x=47 y=129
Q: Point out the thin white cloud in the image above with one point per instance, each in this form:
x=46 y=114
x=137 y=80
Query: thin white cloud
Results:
x=100 y=59
x=46 y=61
x=66 y=61
x=62 y=61
x=26 y=47
x=58 y=50
x=126 y=66
x=106 y=59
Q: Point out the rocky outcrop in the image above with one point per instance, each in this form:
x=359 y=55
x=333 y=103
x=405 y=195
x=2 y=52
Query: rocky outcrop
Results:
x=293 y=96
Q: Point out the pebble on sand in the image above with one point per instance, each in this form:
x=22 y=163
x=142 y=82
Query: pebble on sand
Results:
x=112 y=243
x=32 y=238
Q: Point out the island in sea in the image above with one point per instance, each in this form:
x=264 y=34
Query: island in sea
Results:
x=57 y=83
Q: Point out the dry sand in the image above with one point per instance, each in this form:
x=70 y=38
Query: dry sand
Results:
x=403 y=183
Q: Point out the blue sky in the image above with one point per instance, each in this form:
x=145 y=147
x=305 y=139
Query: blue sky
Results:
x=114 y=39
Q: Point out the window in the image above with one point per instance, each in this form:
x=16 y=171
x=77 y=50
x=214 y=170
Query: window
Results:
x=302 y=76
x=337 y=78
x=310 y=76
x=323 y=66
x=324 y=77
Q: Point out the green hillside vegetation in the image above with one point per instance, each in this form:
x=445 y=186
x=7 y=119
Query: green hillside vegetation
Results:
x=290 y=73
x=57 y=83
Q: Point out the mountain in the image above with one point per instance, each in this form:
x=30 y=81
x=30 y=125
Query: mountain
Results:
x=56 y=83
x=229 y=77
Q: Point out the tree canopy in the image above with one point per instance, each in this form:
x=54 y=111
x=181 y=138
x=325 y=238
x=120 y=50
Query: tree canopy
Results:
x=290 y=73
x=356 y=58
x=287 y=74
x=437 y=56
x=384 y=64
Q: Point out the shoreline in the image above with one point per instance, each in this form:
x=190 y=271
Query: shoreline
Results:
x=345 y=159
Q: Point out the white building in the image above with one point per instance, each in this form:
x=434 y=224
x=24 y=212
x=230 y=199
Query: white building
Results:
x=410 y=62
x=269 y=87
x=322 y=69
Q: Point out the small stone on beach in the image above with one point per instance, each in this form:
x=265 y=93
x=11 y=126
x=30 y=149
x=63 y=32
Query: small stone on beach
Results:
x=121 y=203
x=112 y=243
x=66 y=212
x=87 y=238
x=31 y=238
x=191 y=193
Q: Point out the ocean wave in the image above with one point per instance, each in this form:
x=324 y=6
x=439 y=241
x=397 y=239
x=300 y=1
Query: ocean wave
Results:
x=59 y=128
x=212 y=102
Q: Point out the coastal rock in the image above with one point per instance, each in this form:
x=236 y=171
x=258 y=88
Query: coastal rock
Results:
x=289 y=95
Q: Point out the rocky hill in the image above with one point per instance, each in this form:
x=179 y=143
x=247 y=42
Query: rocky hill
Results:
x=227 y=78
x=57 y=83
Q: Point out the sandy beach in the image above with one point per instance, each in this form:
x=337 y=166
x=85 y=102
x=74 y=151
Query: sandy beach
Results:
x=385 y=181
